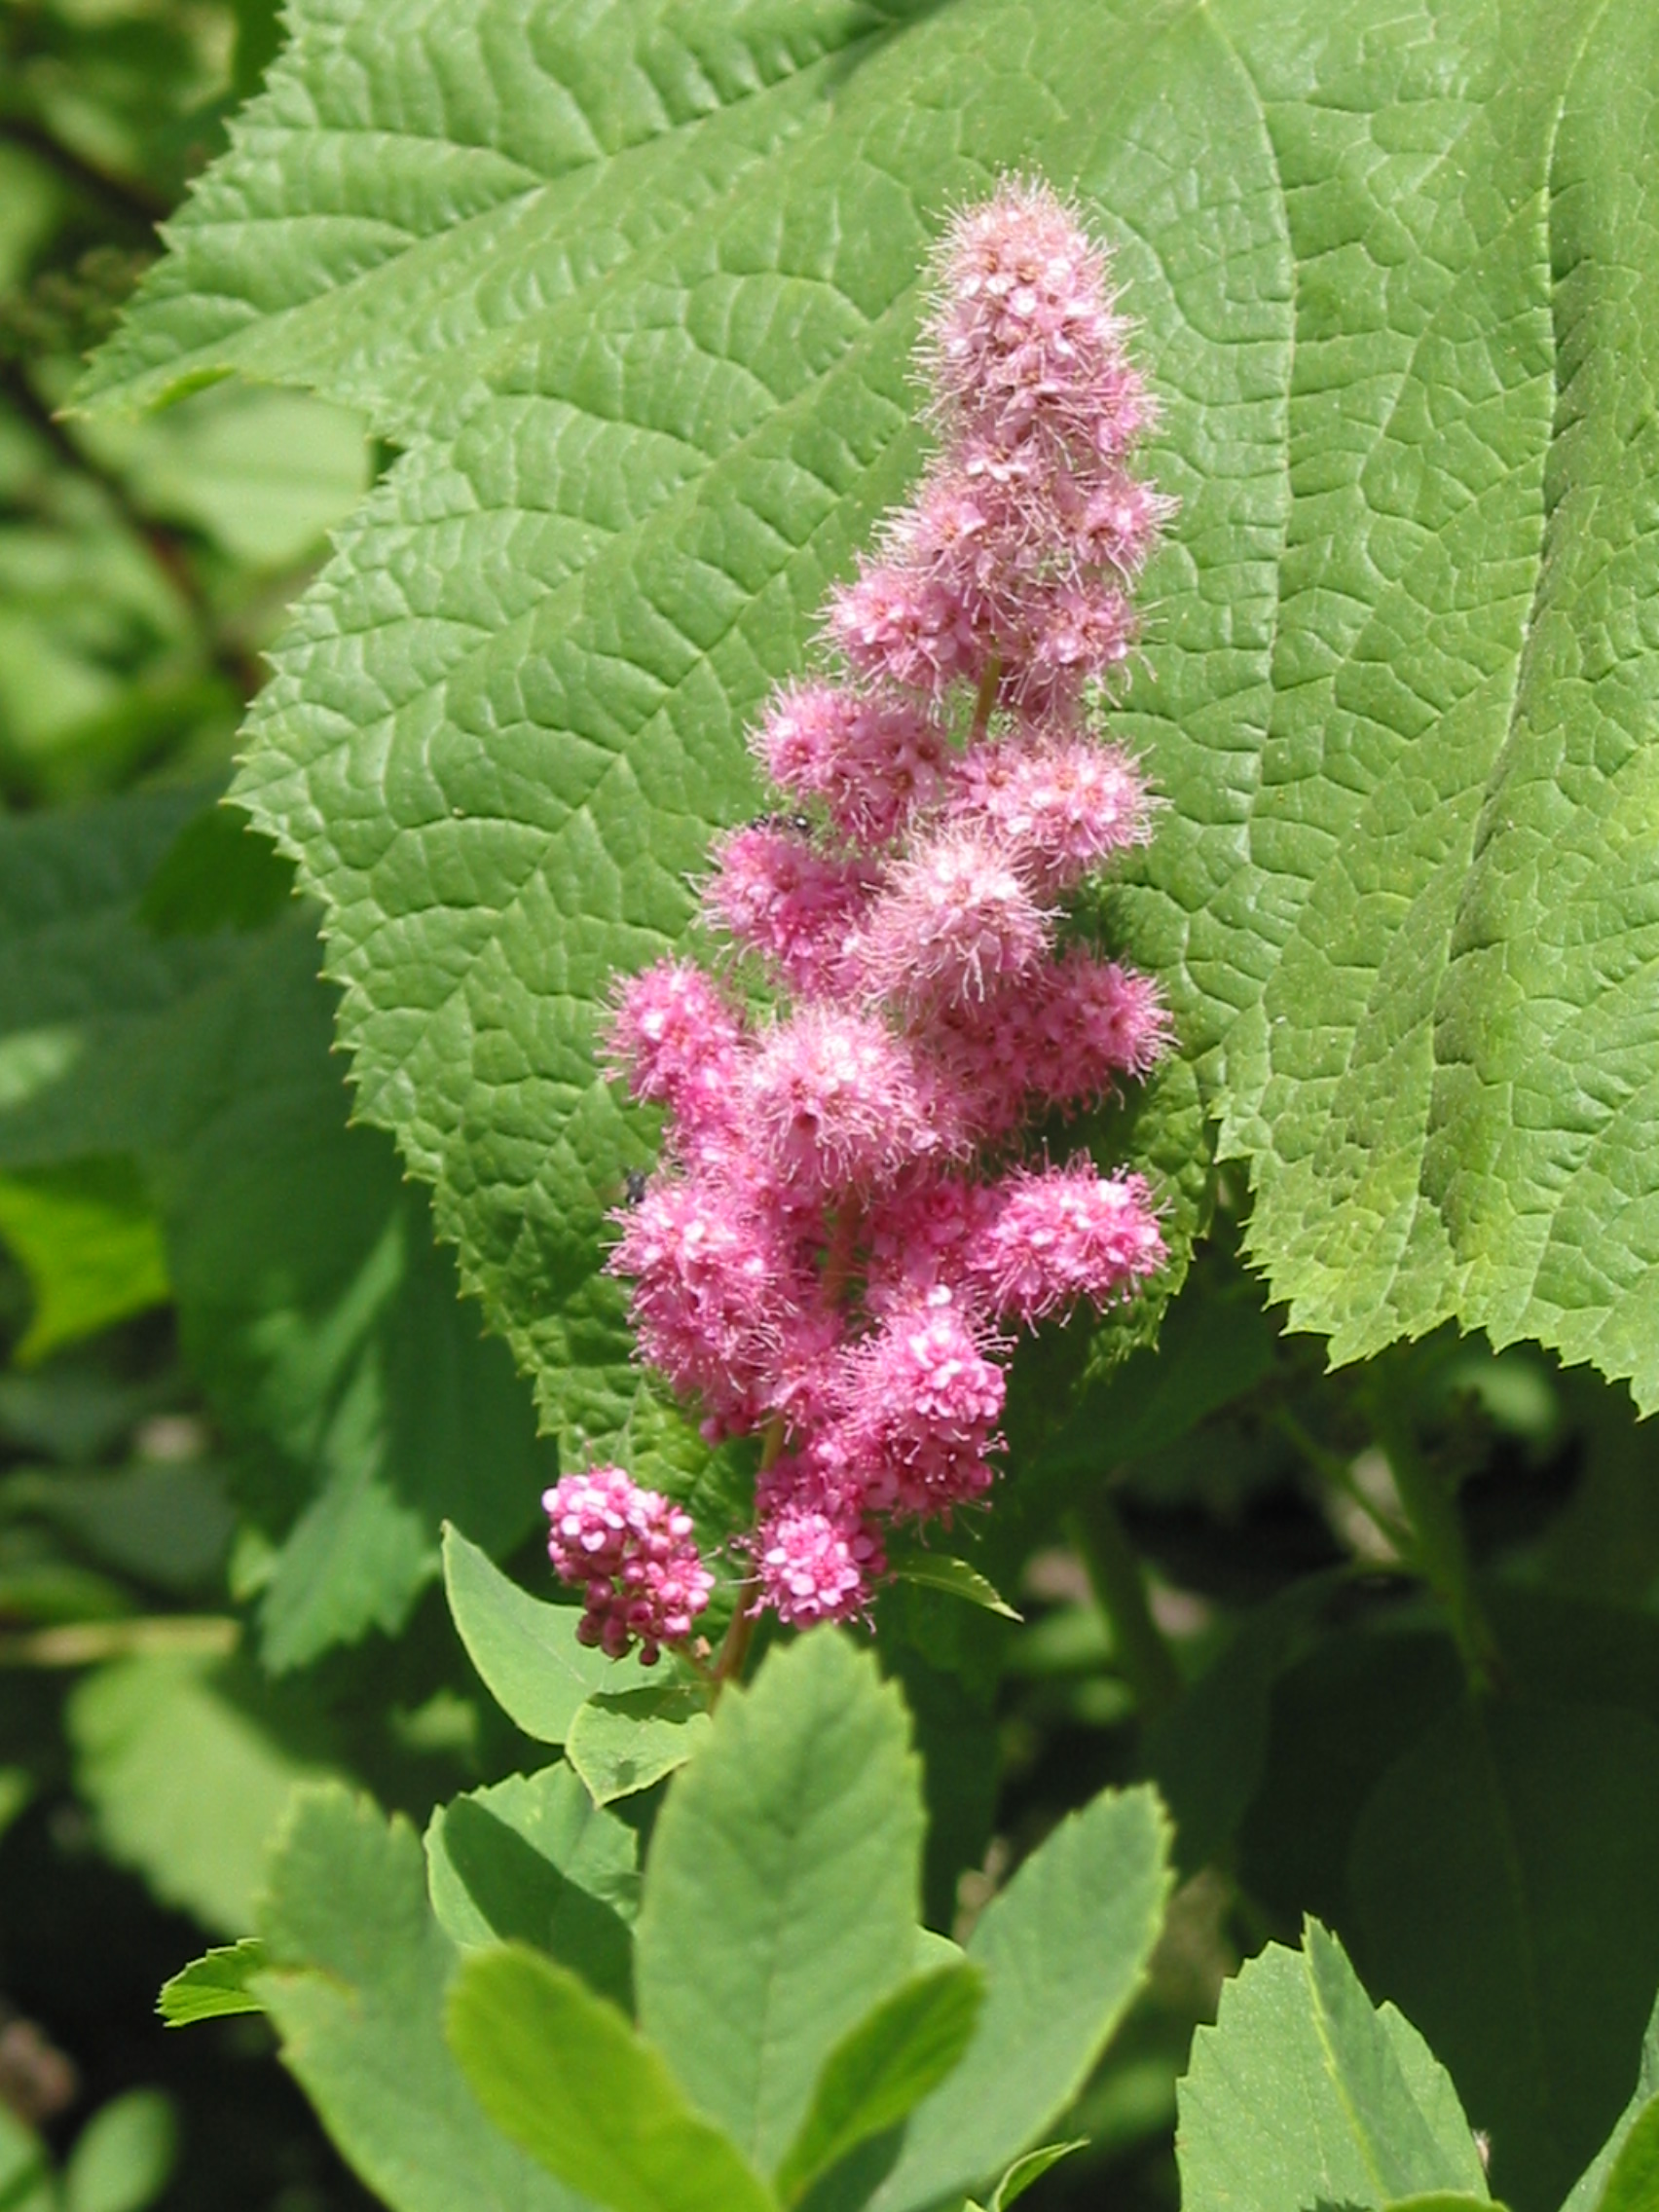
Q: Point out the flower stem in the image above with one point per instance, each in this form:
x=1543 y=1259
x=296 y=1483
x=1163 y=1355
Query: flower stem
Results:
x=1439 y=1544
x=1119 y=1590
x=734 y=1644
x=986 y=699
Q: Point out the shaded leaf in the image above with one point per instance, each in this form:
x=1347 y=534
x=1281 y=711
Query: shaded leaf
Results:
x=532 y=1859
x=1523 y=1827
x=944 y=1570
x=1024 y=2171
x=621 y=1741
x=1586 y=2193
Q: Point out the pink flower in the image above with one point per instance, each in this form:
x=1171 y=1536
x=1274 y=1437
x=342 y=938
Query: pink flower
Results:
x=815 y=1566
x=795 y=906
x=1057 y=805
x=920 y=1400
x=669 y=1029
x=823 y=1256
x=917 y=1237
x=1023 y=335
x=1091 y=1022
x=869 y=760
x=894 y=623
x=724 y=1300
x=1061 y=1234
x=634 y=1556
x=836 y=1104
x=955 y=923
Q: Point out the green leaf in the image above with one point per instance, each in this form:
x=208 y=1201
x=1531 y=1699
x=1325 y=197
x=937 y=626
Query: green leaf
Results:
x=26 y=2174
x=781 y=1895
x=564 y=2074
x=326 y=1325
x=1303 y=2093
x=1062 y=1949
x=944 y=1570
x=879 y=2072
x=640 y=321
x=1032 y=2167
x=623 y=1740
x=185 y=1780
x=217 y=874
x=124 y=2155
x=1586 y=2193
x=91 y=1246
x=525 y=1651
x=213 y=1985
x=1522 y=1828
x=323 y=1323
x=166 y=1522
x=534 y=1860
x=1633 y=2186
x=677 y=568
x=1441 y=2200
x=357 y=1988
x=1207 y=1753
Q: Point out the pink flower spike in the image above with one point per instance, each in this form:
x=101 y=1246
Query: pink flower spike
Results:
x=670 y=1029
x=1059 y=806
x=1084 y=634
x=920 y=1403
x=771 y=892
x=724 y=1301
x=955 y=923
x=836 y=1104
x=633 y=1554
x=894 y=623
x=1063 y=1235
x=870 y=761
x=1091 y=1022
x=815 y=1566
x=1023 y=331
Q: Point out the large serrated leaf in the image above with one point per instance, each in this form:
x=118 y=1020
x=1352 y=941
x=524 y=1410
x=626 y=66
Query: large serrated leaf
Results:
x=636 y=293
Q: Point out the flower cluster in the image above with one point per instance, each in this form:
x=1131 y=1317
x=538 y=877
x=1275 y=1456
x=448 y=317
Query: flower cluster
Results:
x=842 y=1232
x=634 y=1557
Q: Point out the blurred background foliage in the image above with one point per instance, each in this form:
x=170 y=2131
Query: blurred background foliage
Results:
x=240 y=1392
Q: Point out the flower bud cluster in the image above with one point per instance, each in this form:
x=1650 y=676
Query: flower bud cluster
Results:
x=841 y=1233
x=632 y=1556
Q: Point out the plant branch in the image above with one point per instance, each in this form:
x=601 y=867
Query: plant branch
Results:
x=129 y=198
x=87 y=1643
x=1441 y=1549
x=1116 y=1577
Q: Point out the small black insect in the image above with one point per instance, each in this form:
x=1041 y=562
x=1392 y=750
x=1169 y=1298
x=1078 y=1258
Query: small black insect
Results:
x=634 y=1184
